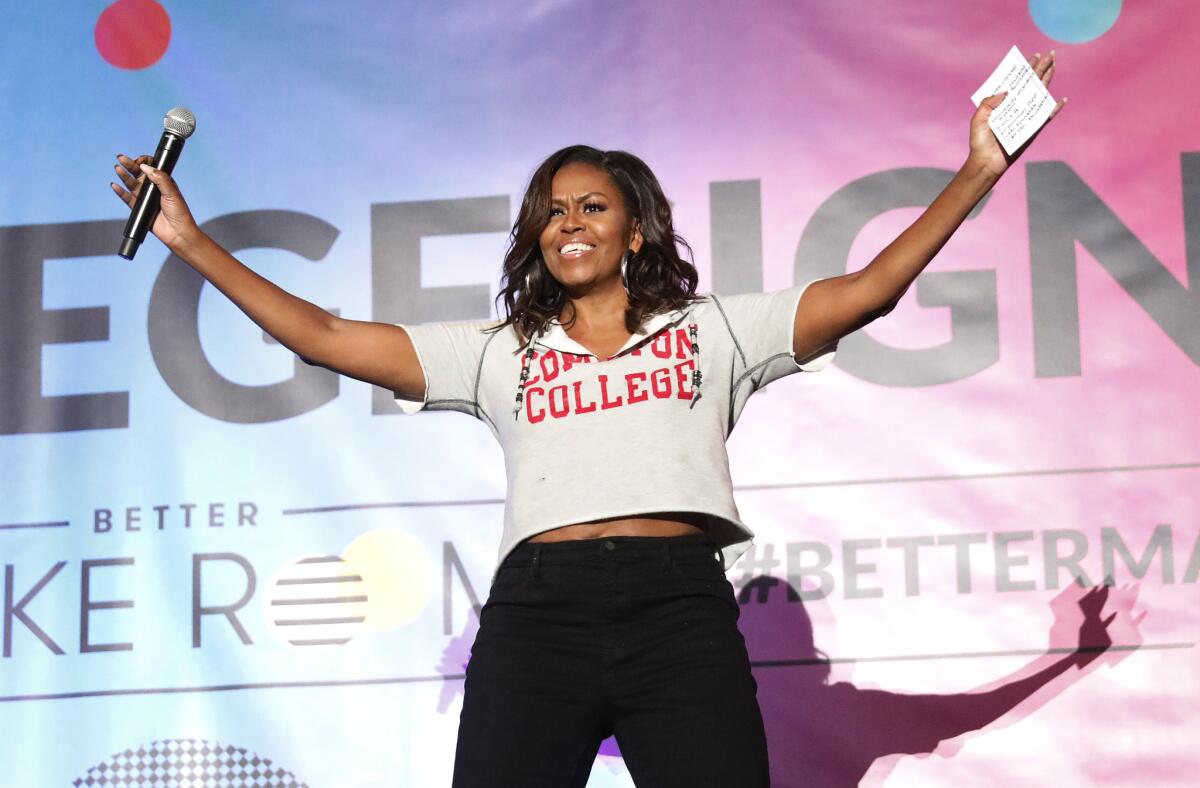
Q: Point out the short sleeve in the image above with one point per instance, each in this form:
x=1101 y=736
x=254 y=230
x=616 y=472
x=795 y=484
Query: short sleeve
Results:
x=763 y=325
x=451 y=355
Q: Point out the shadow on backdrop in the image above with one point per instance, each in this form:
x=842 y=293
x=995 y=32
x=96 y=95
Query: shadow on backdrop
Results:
x=823 y=735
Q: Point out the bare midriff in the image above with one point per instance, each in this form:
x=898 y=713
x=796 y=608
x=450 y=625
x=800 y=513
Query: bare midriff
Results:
x=650 y=524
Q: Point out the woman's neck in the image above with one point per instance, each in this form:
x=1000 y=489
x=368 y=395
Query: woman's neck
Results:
x=596 y=312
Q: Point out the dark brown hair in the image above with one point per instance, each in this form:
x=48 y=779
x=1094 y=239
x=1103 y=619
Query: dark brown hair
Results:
x=658 y=279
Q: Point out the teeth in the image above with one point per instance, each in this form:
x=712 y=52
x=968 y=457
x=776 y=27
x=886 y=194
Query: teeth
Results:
x=573 y=248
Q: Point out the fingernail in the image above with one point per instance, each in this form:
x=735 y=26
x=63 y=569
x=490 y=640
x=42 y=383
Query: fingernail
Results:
x=146 y=168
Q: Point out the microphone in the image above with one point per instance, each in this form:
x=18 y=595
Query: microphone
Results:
x=178 y=125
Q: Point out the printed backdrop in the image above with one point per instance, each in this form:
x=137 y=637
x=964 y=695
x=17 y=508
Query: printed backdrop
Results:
x=225 y=566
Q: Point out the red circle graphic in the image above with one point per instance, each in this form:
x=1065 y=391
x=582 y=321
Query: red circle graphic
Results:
x=133 y=34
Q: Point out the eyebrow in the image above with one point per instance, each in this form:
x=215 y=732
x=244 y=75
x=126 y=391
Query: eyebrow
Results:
x=578 y=197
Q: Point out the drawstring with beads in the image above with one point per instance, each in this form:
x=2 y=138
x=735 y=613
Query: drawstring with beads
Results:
x=528 y=355
x=694 y=338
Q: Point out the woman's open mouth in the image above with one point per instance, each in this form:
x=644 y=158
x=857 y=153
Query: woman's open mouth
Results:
x=575 y=249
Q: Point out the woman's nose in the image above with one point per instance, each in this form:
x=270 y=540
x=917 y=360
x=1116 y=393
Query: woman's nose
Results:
x=572 y=221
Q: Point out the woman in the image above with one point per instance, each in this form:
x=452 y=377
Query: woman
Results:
x=611 y=387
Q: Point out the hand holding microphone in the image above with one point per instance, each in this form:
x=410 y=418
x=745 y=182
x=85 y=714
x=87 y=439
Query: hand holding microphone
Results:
x=150 y=191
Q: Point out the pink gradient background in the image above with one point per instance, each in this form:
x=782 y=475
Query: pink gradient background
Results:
x=809 y=101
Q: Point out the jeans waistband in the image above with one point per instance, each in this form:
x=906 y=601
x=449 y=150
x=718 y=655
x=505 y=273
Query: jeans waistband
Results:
x=612 y=547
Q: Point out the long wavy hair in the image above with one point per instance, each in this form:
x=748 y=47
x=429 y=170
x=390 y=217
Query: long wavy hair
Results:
x=657 y=278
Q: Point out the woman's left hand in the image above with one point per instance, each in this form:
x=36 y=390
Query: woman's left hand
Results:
x=986 y=150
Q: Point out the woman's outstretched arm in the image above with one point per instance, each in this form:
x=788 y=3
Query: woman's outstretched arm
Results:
x=378 y=353
x=837 y=306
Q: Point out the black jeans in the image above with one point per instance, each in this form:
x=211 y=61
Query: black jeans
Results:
x=633 y=636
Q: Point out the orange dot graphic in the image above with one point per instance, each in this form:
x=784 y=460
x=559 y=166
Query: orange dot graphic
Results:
x=133 y=34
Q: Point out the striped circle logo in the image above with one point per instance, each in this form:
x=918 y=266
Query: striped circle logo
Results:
x=317 y=601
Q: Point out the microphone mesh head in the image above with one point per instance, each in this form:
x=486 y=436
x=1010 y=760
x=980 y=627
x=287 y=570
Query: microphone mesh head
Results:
x=180 y=121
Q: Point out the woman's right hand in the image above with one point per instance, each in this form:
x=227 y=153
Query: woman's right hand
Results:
x=174 y=223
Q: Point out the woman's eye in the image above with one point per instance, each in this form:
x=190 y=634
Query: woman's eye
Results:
x=593 y=206
x=556 y=211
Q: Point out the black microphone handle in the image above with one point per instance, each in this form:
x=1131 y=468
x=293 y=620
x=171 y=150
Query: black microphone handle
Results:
x=145 y=208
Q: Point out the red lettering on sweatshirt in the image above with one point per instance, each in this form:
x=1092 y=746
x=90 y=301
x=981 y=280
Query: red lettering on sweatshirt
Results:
x=591 y=393
x=660 y=382
x=634 y=394
x=571 y=359
x=661 y=346
x=534 y=418
x=683 y=375
x=549 y=363
x=605 y=402
x=683 y=345
x=557 y=409
x=579 y=406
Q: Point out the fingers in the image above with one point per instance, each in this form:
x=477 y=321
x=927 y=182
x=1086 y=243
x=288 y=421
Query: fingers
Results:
x=1042 y=63
x=991 y=102
x=158 y=177
x=125 y=196
x=127 y=168
x=132 y=171
x=130 y=182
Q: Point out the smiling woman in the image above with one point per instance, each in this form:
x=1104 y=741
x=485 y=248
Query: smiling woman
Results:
x=610 y=205
x=611 y=386
x=589 y=228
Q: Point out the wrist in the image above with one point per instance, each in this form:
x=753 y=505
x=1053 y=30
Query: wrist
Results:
x=976 y=170
x=187 y=240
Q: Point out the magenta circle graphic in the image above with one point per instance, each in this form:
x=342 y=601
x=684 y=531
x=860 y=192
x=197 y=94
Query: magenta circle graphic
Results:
x=133 y=34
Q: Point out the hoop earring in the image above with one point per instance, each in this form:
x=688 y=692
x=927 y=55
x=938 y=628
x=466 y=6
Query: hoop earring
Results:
x=624 y=264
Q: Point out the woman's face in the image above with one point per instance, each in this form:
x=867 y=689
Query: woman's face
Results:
x=588 y=231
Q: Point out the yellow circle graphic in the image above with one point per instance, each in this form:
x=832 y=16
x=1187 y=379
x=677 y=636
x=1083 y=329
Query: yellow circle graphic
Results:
x=398 y=575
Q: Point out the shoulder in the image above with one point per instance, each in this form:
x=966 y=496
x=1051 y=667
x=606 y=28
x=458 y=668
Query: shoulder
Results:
x=714 y=307
x=460 y=328
x=462 y=335
x=753 y=308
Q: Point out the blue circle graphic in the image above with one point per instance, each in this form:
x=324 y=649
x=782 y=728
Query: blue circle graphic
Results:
x=1074 y=21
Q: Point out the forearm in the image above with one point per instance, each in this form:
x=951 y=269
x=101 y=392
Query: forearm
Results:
x=886 y=278
x=948 y=716
x=302 y=327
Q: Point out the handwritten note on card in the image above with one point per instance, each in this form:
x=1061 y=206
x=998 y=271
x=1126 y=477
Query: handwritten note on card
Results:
x=1026 y=107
